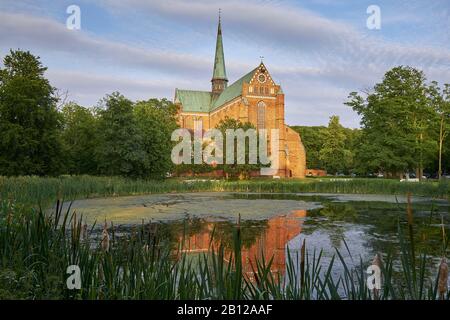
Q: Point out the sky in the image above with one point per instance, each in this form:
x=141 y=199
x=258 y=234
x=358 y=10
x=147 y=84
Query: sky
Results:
x=318 y=50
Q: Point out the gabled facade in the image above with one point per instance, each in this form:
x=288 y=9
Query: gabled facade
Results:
x=254 y=98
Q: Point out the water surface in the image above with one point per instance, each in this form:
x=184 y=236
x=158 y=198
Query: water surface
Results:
x=357 y=225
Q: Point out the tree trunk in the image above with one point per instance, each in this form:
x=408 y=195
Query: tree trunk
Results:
x=441 y=141
x=421 y=159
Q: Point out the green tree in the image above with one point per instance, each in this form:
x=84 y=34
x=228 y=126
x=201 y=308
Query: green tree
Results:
x=334 y=155
x=313 y=140
x=155 y=120
x=30 y=142
x=396 y=122
x=120 y=149
x=236 y=170
x=80 y=139
x=440 y=102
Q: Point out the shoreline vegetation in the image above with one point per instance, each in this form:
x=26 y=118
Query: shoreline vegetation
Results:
x=43 y=191
x=36 y=250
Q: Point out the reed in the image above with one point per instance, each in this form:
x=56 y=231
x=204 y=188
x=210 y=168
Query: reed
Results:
x=34 y=191
x=36 y=249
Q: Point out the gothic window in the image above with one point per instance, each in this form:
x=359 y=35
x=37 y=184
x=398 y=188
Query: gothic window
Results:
x=261 y=115
x=261 y=90
x=266 y=90
x=272 y=90
x=250 y=89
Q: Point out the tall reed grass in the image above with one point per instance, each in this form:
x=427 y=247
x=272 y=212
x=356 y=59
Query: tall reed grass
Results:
x=44 y=191
x=36 y=249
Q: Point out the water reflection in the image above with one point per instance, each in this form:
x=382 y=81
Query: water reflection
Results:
x=358 y=229
x=357 y=225
x=268 y=239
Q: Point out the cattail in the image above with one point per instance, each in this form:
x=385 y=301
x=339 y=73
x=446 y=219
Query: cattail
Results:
x=84 y=234
x=409 y=210
x=443 y=278
x=302 y=264
x=75 y=231
x=105 y=238
x=377 y=262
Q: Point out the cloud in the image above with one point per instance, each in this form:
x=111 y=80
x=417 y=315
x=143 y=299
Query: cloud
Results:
x=22 y=30
x=322 y=56
x=86 y=88
x=318 y=61
x=302 y=31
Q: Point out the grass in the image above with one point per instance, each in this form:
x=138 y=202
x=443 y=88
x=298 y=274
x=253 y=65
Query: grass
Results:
x=44 y=191
x=36 y=249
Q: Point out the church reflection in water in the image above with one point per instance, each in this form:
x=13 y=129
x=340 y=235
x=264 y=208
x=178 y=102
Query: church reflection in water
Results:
x=270 y=240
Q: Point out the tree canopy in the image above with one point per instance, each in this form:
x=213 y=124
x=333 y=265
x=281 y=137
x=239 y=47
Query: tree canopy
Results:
x=29 y=120
x=405 y=124
x=397 y=120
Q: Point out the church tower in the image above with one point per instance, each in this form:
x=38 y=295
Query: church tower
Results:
x=219 y=80
x=255 y=98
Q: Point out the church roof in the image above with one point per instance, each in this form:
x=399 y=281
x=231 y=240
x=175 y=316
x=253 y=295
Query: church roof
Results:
x=193 y=101
x=233 y=91
x=219 y=60
x=202 y=101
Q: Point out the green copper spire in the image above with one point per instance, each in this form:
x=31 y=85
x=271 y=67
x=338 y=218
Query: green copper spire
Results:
x=219 y=61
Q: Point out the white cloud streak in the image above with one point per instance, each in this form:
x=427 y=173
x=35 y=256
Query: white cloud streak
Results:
x=326 y=59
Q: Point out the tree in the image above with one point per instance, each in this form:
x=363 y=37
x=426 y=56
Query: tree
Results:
x=396 y=122
x=440 y=102
x=30 y=125
x=236 y=170
x=313 y=140
x=155 y=120
x=334 y=155
x=120 y=149
x=80 y=139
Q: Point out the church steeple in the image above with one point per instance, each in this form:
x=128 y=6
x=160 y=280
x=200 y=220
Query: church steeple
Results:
x=219 y=80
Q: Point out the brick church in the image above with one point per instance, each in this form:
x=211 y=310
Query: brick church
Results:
x=254 y=98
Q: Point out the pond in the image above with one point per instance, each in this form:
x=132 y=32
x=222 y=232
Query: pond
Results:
x=359 y=226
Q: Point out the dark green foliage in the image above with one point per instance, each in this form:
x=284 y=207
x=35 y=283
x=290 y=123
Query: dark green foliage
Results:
x=37 y=248
x=313 y=139
x=120 y=150
x=134 y=139
x=119 y=138
x=237 y=170
x=403 y=121
x=36 y=190
x=155 y=120
x=29 y=121
x=396 y=123
x=334 y=155
x=80 y=139
x=329 y=148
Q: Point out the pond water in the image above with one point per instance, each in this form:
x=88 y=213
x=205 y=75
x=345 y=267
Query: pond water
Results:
x=358 y=226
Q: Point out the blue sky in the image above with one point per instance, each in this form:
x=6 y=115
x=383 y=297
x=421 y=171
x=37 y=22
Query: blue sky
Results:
x=318 y=50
